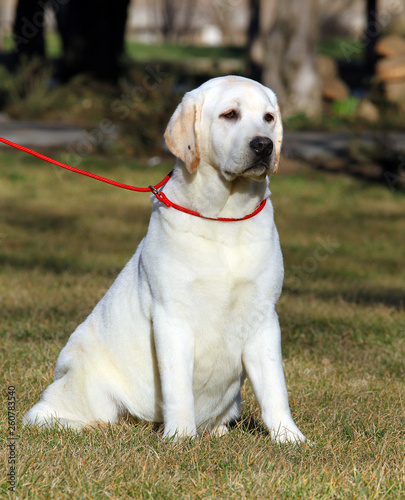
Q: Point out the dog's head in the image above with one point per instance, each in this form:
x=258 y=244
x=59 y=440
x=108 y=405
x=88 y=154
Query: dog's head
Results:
x=231 y=123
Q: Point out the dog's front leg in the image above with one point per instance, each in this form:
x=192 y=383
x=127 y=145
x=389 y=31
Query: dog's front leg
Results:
x=174 y=346
x=264 y=367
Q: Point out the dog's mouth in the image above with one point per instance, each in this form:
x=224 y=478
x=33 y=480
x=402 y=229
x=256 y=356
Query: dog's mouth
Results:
x=259 y=168
x=256 y=171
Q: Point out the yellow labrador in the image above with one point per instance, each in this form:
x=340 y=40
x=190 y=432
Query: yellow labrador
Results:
x=193 y=312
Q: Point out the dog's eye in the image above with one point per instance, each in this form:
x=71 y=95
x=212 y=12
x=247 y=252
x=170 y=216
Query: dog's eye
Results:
x=268 y=117
x=230 y=115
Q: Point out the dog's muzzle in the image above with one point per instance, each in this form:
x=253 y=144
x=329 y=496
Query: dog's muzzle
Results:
x=262 y=147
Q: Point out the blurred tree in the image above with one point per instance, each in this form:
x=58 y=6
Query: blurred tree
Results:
x=255 y=62
x=284 y=54
x=28 y=33
x=92 y=33
x=169 y=19
x=93 y=38
x=371 y=36
x=223 y=14
x=176 y=17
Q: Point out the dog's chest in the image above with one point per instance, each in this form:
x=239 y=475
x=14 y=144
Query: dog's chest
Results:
x=225 y=314
x=228 y=297
x=218 y=350
x=226 y=279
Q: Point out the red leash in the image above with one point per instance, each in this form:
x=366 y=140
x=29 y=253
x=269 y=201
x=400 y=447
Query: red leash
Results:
x=83 y=172
x=154 y=189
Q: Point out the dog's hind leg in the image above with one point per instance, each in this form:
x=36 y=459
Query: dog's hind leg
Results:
x=74 y=402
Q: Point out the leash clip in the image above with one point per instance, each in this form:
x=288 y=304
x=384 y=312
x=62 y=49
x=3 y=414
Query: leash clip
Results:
x=161 y=196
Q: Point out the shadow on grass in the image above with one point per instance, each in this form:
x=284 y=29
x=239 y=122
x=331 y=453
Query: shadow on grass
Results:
x=391 y=297
x=247 y=424
x=368 y=296
x=250 y=425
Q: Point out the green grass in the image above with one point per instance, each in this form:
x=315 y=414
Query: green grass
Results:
x=63 y=239
x=338 y=48
x=177 y=52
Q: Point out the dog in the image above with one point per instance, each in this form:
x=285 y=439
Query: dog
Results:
x=193 y=312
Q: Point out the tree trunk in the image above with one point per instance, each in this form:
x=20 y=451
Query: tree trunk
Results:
x=176 y=17
x=289 y=65
x=254 y=66
x=371 y=35
x=93 y=34
x=28 y=29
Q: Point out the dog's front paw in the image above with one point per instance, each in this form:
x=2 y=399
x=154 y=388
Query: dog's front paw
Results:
x=176 y=432
x=288 y=434
x=219 y=431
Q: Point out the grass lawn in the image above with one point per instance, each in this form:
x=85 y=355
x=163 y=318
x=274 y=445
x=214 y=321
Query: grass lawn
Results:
x=338 y=48
x=64 y=238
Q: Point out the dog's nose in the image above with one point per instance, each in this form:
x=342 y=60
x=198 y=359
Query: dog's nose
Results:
x=262 y=146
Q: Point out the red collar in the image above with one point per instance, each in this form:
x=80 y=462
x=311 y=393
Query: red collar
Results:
x=164 y=199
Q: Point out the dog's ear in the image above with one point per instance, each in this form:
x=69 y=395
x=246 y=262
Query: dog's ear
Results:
x=182 y=133
x=278 y=137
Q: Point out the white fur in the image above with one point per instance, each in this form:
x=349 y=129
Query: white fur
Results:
x=193 y=311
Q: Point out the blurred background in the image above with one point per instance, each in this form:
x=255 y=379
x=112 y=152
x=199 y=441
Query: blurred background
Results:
x=105 y=77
